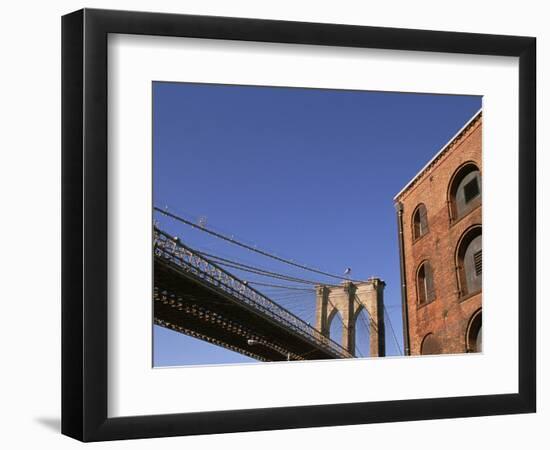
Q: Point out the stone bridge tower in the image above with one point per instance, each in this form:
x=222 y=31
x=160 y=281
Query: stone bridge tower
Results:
x=349 y=299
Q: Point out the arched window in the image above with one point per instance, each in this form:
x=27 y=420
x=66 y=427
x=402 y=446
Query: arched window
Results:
x=420 y=221
x=430 y=345
x=470 y=262
x=465 y=190
x=424 y=283
x=473 y=334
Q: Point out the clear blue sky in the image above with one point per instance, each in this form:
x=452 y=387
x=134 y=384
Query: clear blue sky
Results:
x=308 y=174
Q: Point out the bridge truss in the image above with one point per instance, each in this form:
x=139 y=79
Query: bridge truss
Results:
x=195 y=296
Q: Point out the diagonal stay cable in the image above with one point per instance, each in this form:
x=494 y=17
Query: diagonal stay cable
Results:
x=236 y=264
x=263 y=273
x=337 y=315
x=393 y=331
x=280 y=286
x=371 y=321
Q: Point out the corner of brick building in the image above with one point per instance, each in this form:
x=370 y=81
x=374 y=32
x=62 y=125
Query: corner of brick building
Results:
x=448 y=316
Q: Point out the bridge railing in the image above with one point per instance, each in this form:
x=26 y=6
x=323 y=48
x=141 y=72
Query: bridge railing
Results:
x=172 y=249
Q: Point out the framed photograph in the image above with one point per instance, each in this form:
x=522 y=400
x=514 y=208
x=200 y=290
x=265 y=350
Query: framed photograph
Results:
x=273 y=224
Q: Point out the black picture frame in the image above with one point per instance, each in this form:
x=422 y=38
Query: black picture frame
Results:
x=84 y=224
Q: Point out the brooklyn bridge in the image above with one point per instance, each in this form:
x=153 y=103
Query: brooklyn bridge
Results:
x=196 y=294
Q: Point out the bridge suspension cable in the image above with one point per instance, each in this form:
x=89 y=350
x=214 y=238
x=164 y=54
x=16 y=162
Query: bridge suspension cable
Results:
x=343 y=325
x=371 y=321
x=249 y=247
x=192 y=259
x=263 y=272
x=281 y=286
x=256 y=270
x=393 y=332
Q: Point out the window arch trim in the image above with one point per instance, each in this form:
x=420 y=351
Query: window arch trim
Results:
x=458 y=175
x=436 y=347
x=475 y=325
x=464 y=240
x=419 y=227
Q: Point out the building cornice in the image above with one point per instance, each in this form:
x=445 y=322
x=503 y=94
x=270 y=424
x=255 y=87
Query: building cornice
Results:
x=474 y=120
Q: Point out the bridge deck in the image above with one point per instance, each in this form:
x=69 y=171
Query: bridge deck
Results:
x=189 y=301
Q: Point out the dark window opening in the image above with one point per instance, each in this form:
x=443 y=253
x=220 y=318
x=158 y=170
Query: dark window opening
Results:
x=425 y=285
x=474 y=336
x=471 y=190
x=478 y=342
x=420 y=222
x=470 y=263
x=465 y=191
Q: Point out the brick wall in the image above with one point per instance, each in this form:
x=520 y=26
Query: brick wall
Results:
x=449 y=314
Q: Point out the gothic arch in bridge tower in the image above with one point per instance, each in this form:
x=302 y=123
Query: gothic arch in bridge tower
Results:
x=349 y=299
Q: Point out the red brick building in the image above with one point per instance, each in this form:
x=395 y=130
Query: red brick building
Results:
x=439 y=220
